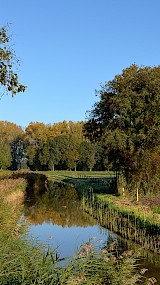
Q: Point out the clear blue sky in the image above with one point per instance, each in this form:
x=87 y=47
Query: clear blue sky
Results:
x=68 y=47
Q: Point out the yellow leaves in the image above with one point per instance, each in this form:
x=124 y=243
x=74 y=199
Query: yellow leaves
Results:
x=9 y=132
x=36 y=132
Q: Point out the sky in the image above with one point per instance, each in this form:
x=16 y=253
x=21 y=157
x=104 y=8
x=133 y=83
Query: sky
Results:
x=68 y=48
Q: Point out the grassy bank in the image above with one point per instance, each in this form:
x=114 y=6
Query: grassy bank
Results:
x=146 y=210
x=138 y=210
x=128 y=218
x=26 y=262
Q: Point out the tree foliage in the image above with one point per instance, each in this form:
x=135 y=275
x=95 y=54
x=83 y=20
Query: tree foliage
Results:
x=127 y=119
x=11 y=145
x=5 y=156
x=9 y=80
x=56 y=146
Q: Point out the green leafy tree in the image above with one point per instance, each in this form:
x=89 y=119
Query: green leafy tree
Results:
x=88 y=154
x=35 y=139
x=17 y=152
x=127 y=119
x=73 y=152
x=12 y=135
x=63 y=147
x=5 y=156
x=44 y=155
x=32 y=157
x=8 y=61
x=55 y=153
x=91 y=155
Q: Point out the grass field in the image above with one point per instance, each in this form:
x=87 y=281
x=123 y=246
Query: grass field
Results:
x=99 y=181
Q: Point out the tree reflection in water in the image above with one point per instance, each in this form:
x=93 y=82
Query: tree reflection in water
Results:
x=60 y=205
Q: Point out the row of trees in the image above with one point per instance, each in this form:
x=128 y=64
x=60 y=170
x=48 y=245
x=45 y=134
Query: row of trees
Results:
x=61 y=146
x=47 y=147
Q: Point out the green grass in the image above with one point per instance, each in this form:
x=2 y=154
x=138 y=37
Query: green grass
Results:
x=78 y=174
x=100 y=181
x=5 y=174
x=137 y=210
x=156 y=209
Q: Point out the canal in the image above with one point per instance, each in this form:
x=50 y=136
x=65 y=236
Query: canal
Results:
x=56 y=218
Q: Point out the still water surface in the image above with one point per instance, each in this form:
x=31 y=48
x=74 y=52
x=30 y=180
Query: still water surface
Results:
x=56 y=218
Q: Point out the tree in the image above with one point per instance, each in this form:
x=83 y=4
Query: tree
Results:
x=36 y=133
x=5 y=156
x=9 y=132
x=88 y=154
x=12 y=135
x=44 y=155
x=8 y=61
x=91 y=160
x=127 y=119
x=73 y=152
x=17 y=152
x=55 y=153
x=32 y=157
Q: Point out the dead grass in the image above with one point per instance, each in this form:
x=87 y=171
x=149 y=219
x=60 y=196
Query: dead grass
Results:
x=145 y=204
x=12 y=191
x=15 y=199
x=150 y=202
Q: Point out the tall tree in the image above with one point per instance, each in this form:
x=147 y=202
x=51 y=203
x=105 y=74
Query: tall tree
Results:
x=73 y=152
x=36 y=133
x=17 y=152
x=127 y=118
x=9 y=132
x=55 y=153
x=5 y=156
x=12 y=136
x=88 y=154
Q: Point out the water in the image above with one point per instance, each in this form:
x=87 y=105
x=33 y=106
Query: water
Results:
x=69 y=239
x=56 y=218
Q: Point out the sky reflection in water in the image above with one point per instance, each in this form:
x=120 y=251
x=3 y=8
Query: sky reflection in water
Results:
x=56 y=218
x=69 y=239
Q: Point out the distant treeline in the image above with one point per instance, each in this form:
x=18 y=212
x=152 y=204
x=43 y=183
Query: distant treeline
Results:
x=61 y=146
